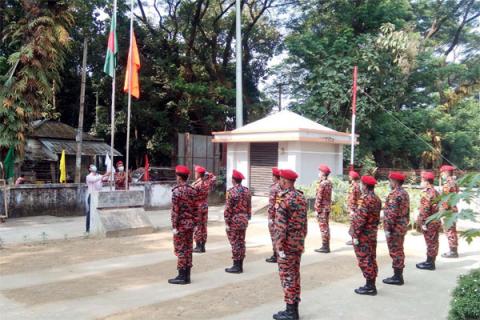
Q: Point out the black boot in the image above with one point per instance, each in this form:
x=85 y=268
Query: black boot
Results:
x=200 y=248
x=452 y=254
x=291 y=313
x=396 y=279
x=187 y=274
x=181 y=278
x=324 y=249
x=273 y=258
x=369 y=289
x=236 y=268
x=427 y=265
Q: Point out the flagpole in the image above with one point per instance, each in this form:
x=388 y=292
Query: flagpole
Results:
x=354 y=116
x=112 y=117
x=130 y=68
x=238 y=54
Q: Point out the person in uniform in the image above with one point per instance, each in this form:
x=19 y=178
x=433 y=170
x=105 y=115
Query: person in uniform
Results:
x=364 y=231
x=323 y=204
x=354 y=194
x=450 y=186
x=430 y=230
x=119 y=177
x=272 y=197
x=204 y=182
x=184 y=217
x=290 y=230
x=396 y=218
x=238 y=211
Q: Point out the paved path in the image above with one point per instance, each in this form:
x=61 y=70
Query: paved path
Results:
x=75 y=279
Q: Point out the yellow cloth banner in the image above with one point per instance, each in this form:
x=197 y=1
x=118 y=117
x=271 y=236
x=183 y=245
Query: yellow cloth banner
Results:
x=63 y=168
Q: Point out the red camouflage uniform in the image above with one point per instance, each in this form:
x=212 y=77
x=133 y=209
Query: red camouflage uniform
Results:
x=354 y=195
x=395 y=224
x=290 y=230
x=238 y=211
x=203 y=187
x=119 y=178
x=323 y=204
x=272 y=199
x=451 y=186
x=365 y=223
x=428 y=207
x=184 y=217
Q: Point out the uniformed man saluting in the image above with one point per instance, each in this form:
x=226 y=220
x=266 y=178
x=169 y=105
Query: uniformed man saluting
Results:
x=428 y=207
x=364 y=230
x=204 y=182
x=450 y=186
x=290 y=230
x=323 y=206
x=272 y=197
x=397 y=217
x=184 y=217
x=238 y=211
x=354 y=194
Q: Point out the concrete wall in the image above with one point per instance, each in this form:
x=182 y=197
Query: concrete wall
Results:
x=69 y=199
x=238 y=155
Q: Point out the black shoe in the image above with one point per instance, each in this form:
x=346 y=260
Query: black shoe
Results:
x=324 y=249
x=181 y=278
x=272 y=259
x=200 y=248
x=369 y=289
x=291 y=313
x=427 y=265
x=452 y=254
x=187 y=274
x=396 y=279
x=236 y=268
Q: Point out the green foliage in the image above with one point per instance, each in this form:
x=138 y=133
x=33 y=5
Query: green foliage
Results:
x=465 y=304
x=470 y=194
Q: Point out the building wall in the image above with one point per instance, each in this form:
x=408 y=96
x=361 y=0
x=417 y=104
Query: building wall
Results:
x=306 y=157
x=238 y=155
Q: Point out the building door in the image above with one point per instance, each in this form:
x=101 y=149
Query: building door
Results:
x=263 y=156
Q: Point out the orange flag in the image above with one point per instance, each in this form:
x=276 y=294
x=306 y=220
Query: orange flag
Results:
x=135 y=67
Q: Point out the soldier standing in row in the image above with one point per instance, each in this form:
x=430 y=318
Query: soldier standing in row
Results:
x=354 y=194
x=272 y=197
x=364 y=231
x=323 y=204
x=430 y=230
x=238 y=211
x=450 y=186
x=395 y=223
x=204 y=182
x=184 y=218
x=290 y=230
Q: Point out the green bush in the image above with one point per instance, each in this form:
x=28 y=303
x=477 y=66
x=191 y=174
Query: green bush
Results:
x=465 y=304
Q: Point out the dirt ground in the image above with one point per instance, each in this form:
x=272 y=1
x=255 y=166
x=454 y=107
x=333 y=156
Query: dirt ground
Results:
x=126 y=278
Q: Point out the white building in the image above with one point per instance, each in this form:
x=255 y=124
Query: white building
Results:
x=285 y=140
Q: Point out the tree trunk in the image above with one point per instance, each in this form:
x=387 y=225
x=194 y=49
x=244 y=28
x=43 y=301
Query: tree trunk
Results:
x=78 y=160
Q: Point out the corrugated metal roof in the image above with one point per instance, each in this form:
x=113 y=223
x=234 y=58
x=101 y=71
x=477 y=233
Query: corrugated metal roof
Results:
x=89 y=148
x=57 y=130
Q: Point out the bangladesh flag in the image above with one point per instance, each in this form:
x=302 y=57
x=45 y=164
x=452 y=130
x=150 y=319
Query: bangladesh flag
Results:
x=111 y=57
x=9 y=164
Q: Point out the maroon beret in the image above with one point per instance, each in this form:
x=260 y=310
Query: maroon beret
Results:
x=182 y=170
x=395 y=175
x=369 y=180
x=237 y=175
x=324 y=168
x=288 y=174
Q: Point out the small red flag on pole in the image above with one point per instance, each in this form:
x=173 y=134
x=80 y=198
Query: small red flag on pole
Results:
x=146 y=175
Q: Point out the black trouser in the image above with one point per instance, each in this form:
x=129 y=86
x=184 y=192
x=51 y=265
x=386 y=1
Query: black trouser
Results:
x=87 y=214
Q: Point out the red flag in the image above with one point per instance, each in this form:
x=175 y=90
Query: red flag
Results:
x=135 y=61
x=146 y=175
